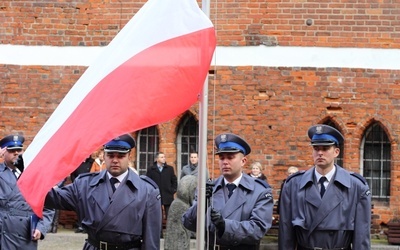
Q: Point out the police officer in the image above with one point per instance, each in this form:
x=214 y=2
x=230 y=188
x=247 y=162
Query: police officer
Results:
x=325 y=207
x=117 y=208
x=15 y=213
x=241 y=206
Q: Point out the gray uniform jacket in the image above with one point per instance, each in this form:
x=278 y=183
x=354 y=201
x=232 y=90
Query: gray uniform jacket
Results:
x=247 y=214
x=342 y=218
x=131 y=213
x=15 y=215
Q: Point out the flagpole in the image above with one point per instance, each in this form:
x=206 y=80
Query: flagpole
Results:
x=203 y=117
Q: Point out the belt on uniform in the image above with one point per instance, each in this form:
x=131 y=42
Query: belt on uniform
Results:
x=103 y=245
x=321 y=248
x=238 y=247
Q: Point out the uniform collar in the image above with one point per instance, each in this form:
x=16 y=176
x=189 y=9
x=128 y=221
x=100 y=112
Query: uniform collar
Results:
x=120 y=177
x=132 y=178
x=236 y=182
x=245 y=181
x=328 y=176
x=340 y=176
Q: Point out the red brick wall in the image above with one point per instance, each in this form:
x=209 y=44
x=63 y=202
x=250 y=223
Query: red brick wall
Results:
x=272 y=107
x=343 y=23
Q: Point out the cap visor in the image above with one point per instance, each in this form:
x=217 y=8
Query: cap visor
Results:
x=323 y=143
x=117 y=150
x=228 y=151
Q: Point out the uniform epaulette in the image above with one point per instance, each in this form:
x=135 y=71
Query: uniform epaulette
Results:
x=87 y=174
x=360 y=177
x=295 y=174
x=149 y=180
x=262 y=182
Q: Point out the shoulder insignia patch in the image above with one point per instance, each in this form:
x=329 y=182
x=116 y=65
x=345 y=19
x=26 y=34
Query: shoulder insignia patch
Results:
x=360 y=177
x=298 y=173
x=262 y=182
x=149 y=180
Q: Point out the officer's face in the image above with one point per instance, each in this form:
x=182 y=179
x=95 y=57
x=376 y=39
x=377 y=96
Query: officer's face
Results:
x=231 y=165
x=324 y=156
x=116 y=163
x=11 y=156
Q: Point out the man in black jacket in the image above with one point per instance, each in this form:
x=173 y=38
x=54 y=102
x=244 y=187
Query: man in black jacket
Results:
x=164 y=176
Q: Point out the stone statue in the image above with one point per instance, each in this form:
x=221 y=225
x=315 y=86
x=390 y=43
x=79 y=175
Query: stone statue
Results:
x=176 y=236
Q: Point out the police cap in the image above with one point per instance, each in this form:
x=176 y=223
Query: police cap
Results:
x=121 y=144
x=12 y=142
x=324 y=135
x=231 y=143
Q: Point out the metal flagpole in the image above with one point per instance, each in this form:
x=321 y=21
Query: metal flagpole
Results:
x=202 y=165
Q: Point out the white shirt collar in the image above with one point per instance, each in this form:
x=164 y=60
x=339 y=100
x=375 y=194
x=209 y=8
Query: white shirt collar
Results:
x=120 y=177
x=236 y=182
x=328 y=175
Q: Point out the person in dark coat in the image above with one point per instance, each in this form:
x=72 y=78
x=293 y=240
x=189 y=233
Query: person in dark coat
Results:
x=325 y=207
x=241 y=206
x=118 y=208
x=15 y=213
x=164 y=176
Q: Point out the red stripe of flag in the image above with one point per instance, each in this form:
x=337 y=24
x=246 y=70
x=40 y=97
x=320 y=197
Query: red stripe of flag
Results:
x=153 y=86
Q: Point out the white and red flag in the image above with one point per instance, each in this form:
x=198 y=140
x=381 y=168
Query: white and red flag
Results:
x=152 y=71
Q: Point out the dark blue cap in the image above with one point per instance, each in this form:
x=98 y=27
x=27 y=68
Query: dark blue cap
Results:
x=231 y=143
x=12 y=142
x=324 y=135
x=121 y=144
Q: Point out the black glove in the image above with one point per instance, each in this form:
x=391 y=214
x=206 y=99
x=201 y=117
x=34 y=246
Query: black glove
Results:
x=218 y=221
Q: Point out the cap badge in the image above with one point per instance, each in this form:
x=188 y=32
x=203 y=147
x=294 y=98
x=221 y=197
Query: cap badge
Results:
x=319 y=129
x=15 y=138
x=223 y=138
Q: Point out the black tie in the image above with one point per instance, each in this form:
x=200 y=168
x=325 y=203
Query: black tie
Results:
x=321 y=181
x=15 y=173
x=230 y=187
x=113 y=180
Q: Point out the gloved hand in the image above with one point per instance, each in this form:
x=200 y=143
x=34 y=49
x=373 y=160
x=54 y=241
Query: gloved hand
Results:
x=218 y=221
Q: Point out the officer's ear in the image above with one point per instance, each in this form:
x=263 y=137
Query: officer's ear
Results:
x=244 y=160
x=337 y=151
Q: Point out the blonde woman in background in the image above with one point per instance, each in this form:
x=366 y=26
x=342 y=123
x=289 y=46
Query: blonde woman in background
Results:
x=256 y=171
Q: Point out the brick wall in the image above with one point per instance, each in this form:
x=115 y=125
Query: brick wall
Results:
x=343 y=23
x=272 y=107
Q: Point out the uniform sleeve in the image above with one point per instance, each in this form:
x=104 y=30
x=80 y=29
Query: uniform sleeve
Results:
x=361 y=237
x=45 y=223
x=253 y=229
x=189 y=218
x=152 y=221
x=287 y=238
x=64 y=198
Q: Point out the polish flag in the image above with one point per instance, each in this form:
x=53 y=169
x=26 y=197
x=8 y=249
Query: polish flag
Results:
x=152 y=71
